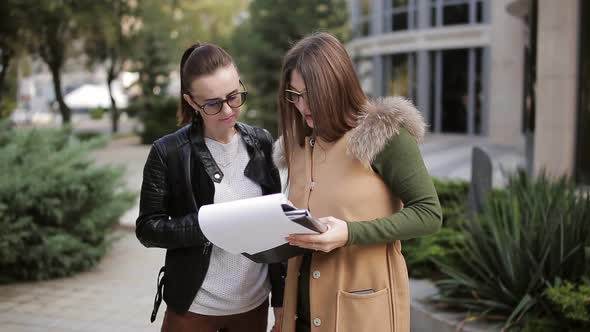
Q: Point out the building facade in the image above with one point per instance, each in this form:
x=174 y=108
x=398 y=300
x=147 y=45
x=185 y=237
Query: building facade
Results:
x=473 y=66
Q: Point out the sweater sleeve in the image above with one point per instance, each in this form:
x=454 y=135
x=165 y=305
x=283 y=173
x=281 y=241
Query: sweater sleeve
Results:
x=401 y=166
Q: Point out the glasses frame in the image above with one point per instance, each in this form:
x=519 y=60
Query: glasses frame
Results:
x=223 y=101
x=297 y=93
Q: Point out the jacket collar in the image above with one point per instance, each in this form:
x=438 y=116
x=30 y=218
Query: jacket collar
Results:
x=195 y=135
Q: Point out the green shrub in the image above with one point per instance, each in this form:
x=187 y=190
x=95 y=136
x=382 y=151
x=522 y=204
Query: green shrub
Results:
x=56 y=206
x=420 y=253
x=453 y=200
x=97 y=113
x=158 y=115
x=527 y=237
x=572 y=301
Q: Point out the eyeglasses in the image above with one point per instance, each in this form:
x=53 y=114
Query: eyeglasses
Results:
x=293 y=96
x=233 y=100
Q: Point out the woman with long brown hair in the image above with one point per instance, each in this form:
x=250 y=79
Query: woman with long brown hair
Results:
x=211 y=159
x=355 y=164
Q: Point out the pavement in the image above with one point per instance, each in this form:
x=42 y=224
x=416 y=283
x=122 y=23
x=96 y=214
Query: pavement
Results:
x=117 y=295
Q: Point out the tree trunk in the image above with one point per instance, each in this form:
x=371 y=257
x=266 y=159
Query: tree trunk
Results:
x=65 y=111
x=6 y=57
x=114 y=110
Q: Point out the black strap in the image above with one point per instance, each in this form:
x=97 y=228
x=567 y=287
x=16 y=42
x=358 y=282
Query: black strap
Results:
x=158 y=298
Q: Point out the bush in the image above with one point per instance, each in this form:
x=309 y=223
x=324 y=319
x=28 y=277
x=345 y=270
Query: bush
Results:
x=97 y=113
x=571 y=301
x=56 y=206
x=158 y=115
x=527 y=237
x=420 y=253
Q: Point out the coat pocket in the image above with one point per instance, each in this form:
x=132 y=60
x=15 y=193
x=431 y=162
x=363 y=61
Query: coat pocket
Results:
x=364 y=312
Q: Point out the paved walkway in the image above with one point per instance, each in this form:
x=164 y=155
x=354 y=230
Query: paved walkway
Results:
x=117 y=295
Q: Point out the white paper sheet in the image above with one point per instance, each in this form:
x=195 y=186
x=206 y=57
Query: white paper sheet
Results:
x=249 y=225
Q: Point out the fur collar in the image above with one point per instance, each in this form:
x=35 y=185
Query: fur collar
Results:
x=380 y=121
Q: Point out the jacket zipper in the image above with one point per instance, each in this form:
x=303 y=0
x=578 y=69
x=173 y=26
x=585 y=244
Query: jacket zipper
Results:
x=206 y=248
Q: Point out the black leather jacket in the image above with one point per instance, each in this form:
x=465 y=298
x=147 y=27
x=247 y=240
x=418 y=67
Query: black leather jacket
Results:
x=177 y=179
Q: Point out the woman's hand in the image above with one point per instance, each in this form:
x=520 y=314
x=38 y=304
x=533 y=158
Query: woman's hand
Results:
x=335 y=237
x=278 y=319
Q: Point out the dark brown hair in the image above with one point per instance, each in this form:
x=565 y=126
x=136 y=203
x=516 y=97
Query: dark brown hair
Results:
x=198 y=60
x=334 y=94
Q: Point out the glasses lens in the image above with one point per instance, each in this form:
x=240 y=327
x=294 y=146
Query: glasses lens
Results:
x=236 y=100
x=291 y=97
x=212 y=108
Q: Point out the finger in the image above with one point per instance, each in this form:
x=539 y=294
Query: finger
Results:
x=306 y=245
x=306 y=237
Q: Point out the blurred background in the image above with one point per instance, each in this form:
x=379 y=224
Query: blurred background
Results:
x=504 y=85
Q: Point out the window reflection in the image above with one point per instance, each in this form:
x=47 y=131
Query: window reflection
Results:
x=362 y=27
x=454 y=12
x=401 y=75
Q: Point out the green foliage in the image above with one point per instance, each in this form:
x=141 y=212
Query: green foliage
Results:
x=153 y=66
x=56 y=206
x=97 y=113
x=420 y=253
x=158 y=115
x=527 y=237
x=7 y=105
x=452 y=195
x=260 y=43
x=572 y=301
x=10 y=46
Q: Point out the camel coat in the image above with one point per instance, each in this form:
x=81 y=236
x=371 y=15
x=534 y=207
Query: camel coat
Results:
x=355 y=287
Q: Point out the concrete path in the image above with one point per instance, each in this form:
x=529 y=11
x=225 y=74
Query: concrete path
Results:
x=118 y=294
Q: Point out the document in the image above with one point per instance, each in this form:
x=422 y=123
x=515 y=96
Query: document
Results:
x=257 y=227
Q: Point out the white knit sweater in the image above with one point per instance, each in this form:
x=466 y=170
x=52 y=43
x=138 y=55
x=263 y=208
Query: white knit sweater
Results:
x=233 y=284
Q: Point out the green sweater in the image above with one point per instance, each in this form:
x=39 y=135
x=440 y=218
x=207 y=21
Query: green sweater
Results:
x=401 y=166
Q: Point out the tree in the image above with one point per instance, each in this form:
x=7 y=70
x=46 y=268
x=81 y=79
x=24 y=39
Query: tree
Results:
x=107 y=39
x=10 y=41
x=169 y=27
x=260 y=43
x=207 y=20
x=53 y=27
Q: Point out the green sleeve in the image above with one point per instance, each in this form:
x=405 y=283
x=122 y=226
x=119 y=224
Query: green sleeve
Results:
x=402 y=168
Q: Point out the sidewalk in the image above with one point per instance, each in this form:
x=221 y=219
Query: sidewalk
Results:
x=117 y=295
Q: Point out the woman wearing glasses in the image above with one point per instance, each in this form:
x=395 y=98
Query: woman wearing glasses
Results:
x=355 y=164
x=212 y=159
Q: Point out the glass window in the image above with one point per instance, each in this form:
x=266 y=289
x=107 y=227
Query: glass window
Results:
x=479 y=12
x=453 y=12
x=365 y=8
x=401 y=75
x=479 y=93
x=400 y=21
x=454 y=90
x=400 y=15
x=432 y=88
x=456 y=14
x=364 y=72
x=362 y=27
